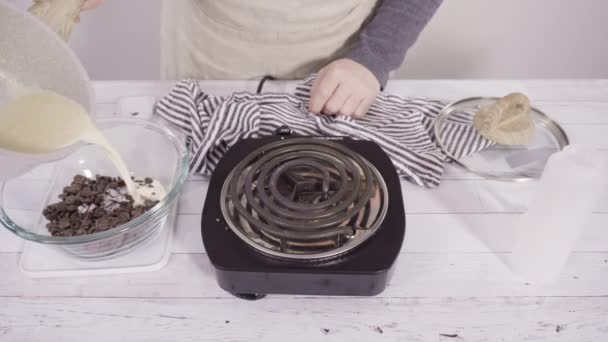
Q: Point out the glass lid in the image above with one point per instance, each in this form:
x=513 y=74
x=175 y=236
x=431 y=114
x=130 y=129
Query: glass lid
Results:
x=462 y=143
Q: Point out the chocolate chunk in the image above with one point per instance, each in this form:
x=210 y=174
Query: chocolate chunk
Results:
x=148 y=180
x=80 y=179
x=101 y=187
x=64 y=223
x=86 y=223
x=75 y=217
x=99 y=212
x=124 y=217
x=77 y=187
x=49 y=212
x=71 y=200
x=87 y=200
x=114 y=221
x=137 y=212
x=70 y=190
x=88 y=192
x=72 y=208
x=103 y=224
x=149 y=203
x=99 y=199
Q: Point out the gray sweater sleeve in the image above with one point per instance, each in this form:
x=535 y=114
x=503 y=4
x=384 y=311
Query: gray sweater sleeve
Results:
x=384 y=41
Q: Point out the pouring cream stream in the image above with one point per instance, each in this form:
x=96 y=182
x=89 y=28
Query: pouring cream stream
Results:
x=41 y=121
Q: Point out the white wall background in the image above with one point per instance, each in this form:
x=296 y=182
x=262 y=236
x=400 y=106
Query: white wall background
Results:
x=466 y=39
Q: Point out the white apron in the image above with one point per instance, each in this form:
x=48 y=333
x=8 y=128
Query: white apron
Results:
x=247 y=39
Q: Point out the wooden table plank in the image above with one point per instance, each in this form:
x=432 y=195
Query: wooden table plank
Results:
x=306 y=319
x=416 y=275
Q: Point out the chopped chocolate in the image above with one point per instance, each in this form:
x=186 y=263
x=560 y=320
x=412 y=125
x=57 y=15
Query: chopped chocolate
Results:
x=75 y=217
x=99 y=212
x=49 y=212
x=88 y=192
x=86 y=223
x=124 y=217
x=72 y=200
x=149 y=203
x=137 y=212
x=80 y=179
x=91 y=205
x=103 y=223
x=101 y=187
x=64 y=223
x=70 y=190
x=76 y=187
x=99 y=199
x=114 y=221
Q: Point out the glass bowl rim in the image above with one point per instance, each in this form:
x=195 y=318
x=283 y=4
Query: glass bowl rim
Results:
x=159 y=209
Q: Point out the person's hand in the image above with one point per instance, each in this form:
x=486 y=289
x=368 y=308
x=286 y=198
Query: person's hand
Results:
x=60 y=15
x=344 y=87
x=90 y=4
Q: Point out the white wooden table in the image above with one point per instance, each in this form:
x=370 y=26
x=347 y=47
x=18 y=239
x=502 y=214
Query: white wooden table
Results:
x=450 y=284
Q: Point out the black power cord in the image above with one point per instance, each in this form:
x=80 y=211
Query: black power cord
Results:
x=262 y=81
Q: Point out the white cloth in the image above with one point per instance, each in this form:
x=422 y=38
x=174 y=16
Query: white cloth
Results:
x=403 y=127
x=244 y=39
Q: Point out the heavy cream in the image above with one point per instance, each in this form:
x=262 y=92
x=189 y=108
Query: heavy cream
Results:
x=41 y=121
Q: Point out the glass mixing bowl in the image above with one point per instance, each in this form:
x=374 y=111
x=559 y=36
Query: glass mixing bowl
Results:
x=150 y=149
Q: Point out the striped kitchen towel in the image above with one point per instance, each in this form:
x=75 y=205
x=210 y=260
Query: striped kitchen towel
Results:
x=403 y=127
